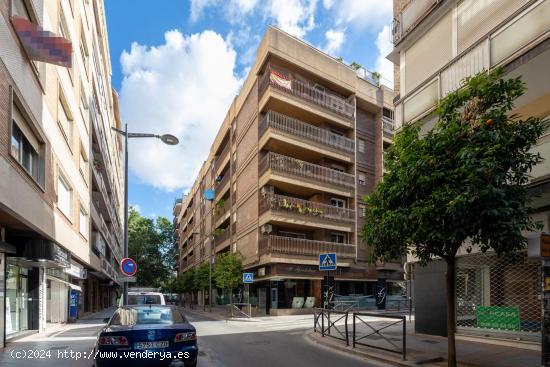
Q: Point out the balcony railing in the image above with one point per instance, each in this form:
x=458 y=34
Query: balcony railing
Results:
x=221 y=210
x=410 y=16
x=220 y=158
x=308 y=90
x=295 y=206
x=294 y=167
x=219 y=239
x=302 y=247
x=280 y=122
x=387 y=126
x=221 y=184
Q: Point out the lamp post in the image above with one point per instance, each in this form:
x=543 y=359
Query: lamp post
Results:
x=166 y=139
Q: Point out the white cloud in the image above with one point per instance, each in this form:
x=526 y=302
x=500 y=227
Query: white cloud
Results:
x=335 y=39
x=183 y=87
x=362 y=13
x=384 y=46
x=296 y=17
x=235 y=10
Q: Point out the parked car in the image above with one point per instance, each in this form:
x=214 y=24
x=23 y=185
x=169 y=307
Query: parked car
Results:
x=147 y=335
x=144 y=298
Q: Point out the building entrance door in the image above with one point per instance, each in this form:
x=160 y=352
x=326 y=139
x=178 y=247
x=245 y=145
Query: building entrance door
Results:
x=274 y=298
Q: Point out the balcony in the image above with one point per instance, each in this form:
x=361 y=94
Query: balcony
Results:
x=306 y=175
x=222 y=237
x=290 y=210
x=221 y=211
x=307 y=90
x=387 y=127
x=410 y=16
x=222 y=158
x=222 y=185
x=302 y=247
x=307 y=133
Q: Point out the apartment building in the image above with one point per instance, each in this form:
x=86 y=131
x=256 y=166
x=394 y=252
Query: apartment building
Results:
x=60 y=165
x=300 y=146
x=436 y=45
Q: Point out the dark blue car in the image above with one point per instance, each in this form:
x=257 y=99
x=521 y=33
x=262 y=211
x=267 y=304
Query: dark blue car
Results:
x=147 y=335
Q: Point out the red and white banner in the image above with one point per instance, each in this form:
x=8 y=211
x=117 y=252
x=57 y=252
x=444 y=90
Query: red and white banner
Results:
x=280 y=80
x=43 y=45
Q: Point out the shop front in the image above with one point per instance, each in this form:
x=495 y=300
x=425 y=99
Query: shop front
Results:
x=282 y=289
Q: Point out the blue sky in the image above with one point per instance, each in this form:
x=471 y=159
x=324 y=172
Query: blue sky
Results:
x=168 y=56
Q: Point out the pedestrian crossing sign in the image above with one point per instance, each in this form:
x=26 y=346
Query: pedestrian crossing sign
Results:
x=248 y=278
x=327 y=261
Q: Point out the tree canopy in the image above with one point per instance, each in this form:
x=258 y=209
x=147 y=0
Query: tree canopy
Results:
x=150 y=244
x=464 y=180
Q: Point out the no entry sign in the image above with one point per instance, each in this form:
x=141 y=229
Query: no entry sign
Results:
x=128 y=267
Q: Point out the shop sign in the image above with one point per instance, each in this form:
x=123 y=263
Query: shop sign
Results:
x=498 y=317
x=76 y=271
x=61 y=256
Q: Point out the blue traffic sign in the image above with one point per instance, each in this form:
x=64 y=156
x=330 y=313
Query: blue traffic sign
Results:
x=248 y=278
x=128 y=267
x=327 y=261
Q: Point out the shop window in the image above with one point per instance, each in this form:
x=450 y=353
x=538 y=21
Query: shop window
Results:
x=27 y=150
x=64 y=196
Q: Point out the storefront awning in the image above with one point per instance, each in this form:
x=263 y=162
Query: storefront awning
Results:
x=71 y=285
x=47 y=252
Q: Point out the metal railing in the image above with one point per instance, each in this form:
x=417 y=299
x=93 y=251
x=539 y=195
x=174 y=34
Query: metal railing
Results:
x=294 y=167
x=387 y=126
x=220 y=211
x=410 y=16
x=280 y=122
x=221 y=157
x=284 y=81
x=302 y=247
x=323 y=323
x=375 y=332
x=221 y=184
x=222 y=237
x=292 y=205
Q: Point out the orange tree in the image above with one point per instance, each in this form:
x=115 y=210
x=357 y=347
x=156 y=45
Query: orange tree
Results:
x=462 y=183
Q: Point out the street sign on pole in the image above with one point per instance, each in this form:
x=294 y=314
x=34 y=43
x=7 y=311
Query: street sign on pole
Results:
x=128 y=267
x=248 y=278
x=327 y=261
x=127 y=279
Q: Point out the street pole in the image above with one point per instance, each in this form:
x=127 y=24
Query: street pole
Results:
x=546 y=313
x=125 y=286
x=210 y=275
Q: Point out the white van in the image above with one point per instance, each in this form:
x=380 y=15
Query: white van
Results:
x=144 y=298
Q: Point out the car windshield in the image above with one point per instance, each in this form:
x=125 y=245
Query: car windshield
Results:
x=144 y=299
x=147 y=315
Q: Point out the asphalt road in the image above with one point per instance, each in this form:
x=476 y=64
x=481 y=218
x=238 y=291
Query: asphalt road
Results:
x=267 y=342
x=249 y=344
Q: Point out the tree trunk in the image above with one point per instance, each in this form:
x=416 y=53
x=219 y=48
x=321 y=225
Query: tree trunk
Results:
x=451 y=313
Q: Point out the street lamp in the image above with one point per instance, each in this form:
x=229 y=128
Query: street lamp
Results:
x=166 y=139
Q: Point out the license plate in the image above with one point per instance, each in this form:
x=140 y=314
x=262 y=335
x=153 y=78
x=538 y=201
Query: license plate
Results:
x=151 y=345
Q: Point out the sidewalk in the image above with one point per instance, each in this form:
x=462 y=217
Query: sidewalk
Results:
x=428 y=350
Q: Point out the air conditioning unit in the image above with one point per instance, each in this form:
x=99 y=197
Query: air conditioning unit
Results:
x=266 y=228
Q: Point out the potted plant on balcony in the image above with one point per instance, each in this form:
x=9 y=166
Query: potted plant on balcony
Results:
x=376 y=77
x=219 y=205
x=218 y=232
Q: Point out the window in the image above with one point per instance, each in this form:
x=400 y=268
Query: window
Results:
x=338 y=167
x=25 y=148
x=63 y=28
x=19 y=8
x=83 y=223
x=337 y=238
x=338 y=202
x=64 y=196
x=361 y=178
x=84 y=49
x=83 y=166
x=362 y=210
x=292 y=234
x=64 y=117
x=361 y=145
